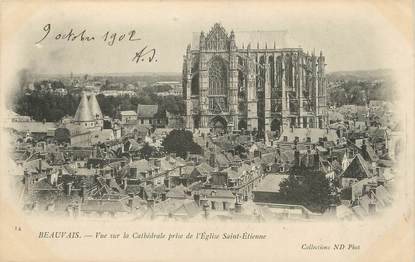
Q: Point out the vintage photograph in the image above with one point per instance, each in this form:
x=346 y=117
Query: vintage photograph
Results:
x=155 y=131
x=251 y=126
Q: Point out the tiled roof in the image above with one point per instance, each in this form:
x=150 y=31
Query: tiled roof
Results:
x=180 y=207
x=358 y=168
x=232 y=174
x=313 y=133
x=101 y=136
x=103 y=205
x=34 y=127
x=217 y=193
x=270 y=183
x=142 y=165
x=177 y=192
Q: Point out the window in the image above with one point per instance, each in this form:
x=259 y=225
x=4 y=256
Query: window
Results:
x=217 y=85
x=285 y=139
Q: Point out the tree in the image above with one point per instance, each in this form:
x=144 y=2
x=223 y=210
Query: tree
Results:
x=147 y=151
x=312 y=191
x=181 y=142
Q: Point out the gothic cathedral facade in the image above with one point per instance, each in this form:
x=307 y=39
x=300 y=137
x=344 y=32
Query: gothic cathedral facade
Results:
x=262 y=89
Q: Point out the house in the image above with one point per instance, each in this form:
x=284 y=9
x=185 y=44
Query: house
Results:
x=216 y=198
x=307 y=135
x=101 y=136
x=36 y=130
x=268 y=190
x=147 y=115
x=127 y=116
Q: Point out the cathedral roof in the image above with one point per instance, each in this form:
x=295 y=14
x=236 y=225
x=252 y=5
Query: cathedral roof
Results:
x=94 y=107
x=83 y=113
x=281 y=38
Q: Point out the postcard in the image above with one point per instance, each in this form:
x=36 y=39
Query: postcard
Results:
x=207 y=131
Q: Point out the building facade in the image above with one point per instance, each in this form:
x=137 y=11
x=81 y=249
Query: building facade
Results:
x=264 y=89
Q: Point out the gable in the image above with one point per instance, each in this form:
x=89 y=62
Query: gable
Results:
x=217 y=39
x=357 y=169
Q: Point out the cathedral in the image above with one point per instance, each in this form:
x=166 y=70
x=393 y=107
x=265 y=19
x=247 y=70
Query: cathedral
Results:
x=230 y=87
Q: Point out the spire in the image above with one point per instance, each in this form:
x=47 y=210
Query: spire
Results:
x=94 y=107
x=83 y=114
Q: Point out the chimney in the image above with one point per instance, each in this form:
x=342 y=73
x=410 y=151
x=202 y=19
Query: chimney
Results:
x=150 y=202
x=203 y=201
x=68 y=188
x=157 y=162
x=28 y=181
x=206 y=209
x=317 y=159
x=332 y=209
x=238 y=207
x=123 y=163
x=364 y=150
x=297 y=157
x=40 y=166
x=372 y=208
x=130 y=203
x=212 y=160
x=167 y=182
x=83 y=191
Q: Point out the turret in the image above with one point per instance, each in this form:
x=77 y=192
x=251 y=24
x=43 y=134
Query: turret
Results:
x=202 y=43
x=96 y=111
x=83 y=115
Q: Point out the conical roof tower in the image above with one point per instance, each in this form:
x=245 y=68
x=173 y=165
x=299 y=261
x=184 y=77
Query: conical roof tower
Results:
x=83 y=114
x=94 y=107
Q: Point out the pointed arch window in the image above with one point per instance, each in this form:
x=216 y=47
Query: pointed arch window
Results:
x=217 y=78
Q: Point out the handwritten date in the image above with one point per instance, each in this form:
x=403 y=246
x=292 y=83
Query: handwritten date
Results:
x=109 y=38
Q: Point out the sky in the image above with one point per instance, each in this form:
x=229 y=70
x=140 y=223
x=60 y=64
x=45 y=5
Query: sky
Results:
x=352 y=37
